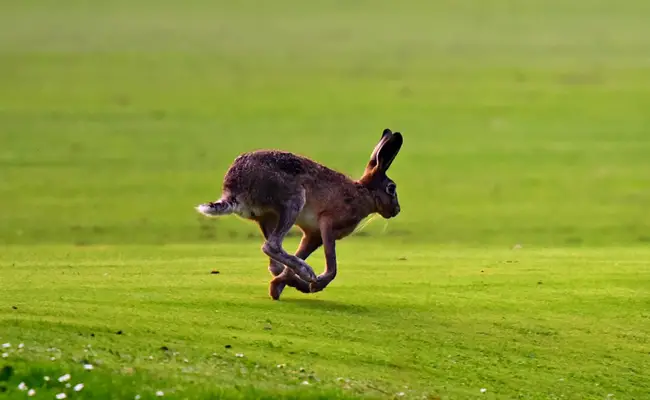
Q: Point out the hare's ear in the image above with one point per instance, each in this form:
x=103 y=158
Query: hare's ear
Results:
x=388 y=151
x=374 y=160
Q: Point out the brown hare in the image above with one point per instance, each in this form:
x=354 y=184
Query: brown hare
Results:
x=279 y=189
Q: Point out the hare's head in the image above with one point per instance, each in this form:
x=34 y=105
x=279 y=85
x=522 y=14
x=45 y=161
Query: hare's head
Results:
x=382 y=188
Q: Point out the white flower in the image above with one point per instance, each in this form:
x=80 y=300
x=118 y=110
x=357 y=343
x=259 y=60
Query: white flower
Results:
x=400 y=394
x=64 y=378
x=160 y=393
x=282 y=365
x=52 y=358
x=20 y=346
x=240 y=355
x=78 y=387
x=61 y=396
x=483 y=390
x=31 y=392
x=68 y=385
x=88 y=367
x=6 y=345
x=46 y=378
x=305 y=382
x=5 y=355
x=22 y=386
x=137 y=397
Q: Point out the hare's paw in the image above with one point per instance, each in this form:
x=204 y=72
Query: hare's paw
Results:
x=321 y=282
x=317 y=286
x=276 y=286
x=314 y=287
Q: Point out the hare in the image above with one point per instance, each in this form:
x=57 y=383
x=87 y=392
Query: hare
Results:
x=278 y=190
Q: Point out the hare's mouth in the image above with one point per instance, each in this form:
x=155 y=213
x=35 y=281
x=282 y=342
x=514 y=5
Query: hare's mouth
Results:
x=391 y=214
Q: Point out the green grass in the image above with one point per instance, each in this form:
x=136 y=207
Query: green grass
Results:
x=522 y=323
x=522 y=122
x=525 y=123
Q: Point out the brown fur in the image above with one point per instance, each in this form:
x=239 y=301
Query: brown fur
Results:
x=278 y=190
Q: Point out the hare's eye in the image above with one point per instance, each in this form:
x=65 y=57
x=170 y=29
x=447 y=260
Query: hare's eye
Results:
x=390 y=189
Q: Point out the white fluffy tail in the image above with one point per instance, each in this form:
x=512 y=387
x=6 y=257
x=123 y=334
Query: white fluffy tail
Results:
x=217 y=208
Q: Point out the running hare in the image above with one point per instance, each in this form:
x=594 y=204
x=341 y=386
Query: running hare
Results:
x=278 y=190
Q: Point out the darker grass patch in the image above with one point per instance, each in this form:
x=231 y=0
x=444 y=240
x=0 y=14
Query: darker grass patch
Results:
x=329 y=305
x=104 y=383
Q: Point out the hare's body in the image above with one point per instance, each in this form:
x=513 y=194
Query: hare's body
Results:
x=262 y=182
x=278 y=190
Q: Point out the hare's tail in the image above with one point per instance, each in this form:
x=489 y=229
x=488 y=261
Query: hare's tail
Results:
x=219 y=207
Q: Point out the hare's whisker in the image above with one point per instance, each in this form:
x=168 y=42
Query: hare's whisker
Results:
x=385 y=226
x=363 y=226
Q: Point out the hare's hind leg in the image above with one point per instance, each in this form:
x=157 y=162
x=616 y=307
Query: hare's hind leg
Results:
x=267 y=224
x=273 y=245
x=285 y=276
x=281 y=275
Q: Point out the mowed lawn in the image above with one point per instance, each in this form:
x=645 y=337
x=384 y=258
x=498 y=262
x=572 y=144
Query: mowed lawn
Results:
x=518 y=323
x=520 y=261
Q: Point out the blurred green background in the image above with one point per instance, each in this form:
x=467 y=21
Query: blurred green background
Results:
x=524 y=121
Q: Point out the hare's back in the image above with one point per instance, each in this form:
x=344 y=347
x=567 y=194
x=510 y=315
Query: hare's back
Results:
x=267 y=178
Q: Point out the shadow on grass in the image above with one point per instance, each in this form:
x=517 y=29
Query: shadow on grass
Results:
x=328 y=305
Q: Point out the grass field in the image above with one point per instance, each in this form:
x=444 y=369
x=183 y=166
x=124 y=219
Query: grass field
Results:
x=519 y=263
x=519 y=323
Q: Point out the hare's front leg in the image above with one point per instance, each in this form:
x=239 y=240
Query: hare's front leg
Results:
x=329 y=245
x=273 y=245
